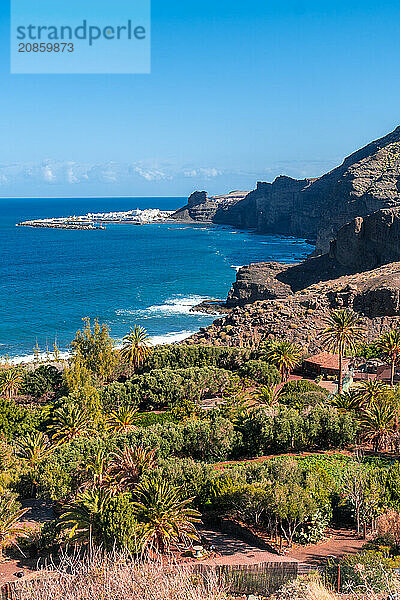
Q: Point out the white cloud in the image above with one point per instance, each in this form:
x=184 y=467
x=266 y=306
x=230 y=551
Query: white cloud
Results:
x=151 y=174
x=140 y=178
x=48 y=174
x=71 y=177
x=203 y=172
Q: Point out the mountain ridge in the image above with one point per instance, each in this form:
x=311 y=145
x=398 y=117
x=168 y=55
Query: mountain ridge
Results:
x=315 y=208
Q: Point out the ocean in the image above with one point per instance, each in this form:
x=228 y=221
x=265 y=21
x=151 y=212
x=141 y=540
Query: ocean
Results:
x=148 y=275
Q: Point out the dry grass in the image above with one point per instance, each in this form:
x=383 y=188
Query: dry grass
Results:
x=317 y=592
x=314 y=590
x=117 y=577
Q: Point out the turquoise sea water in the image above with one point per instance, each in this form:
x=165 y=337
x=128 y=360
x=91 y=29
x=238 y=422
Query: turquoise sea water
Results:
x=125 y=275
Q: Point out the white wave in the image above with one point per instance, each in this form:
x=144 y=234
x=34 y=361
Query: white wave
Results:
x=171 y=306
x=43 y=357
x=156 y=340
x=170 y=338
x=236 y=267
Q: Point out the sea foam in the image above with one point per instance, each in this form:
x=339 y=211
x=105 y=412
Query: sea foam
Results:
x=177 y=305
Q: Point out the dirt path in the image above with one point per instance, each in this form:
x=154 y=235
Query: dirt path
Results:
x=39 y=511
x=343 y=541
x=232 y=551
x=228 y=549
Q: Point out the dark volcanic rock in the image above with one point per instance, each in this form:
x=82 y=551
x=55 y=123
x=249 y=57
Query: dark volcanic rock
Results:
x=373 y=293
x=195 y=208
x=361 y=245
x=367 y=181
x=368 y=242
x=257 y=282
x=202 y=208
x=269 y=208
x=300 y=316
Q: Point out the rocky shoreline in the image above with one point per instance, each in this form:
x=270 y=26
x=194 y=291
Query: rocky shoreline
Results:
x=299 y=316
x=211 y=307
x=292 y=300
x=353 y=212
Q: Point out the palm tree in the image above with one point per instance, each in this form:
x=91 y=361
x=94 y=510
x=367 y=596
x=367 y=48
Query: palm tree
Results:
x=269 y=395
x=346 y=401
x=10 y=382
x=377 y=425
x=122 y=420
x=10 y=525
x=165 y=515
x=372 y=391
x=128 y=466
x=389 y=344
x=344 y=329
x=97 y=472
x=34 y=448
x=70 y=421
x=83 y=518
x=136 y=347
x=283 y=354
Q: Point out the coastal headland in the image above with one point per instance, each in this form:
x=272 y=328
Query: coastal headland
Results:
x=353 y=213
x=312 y=208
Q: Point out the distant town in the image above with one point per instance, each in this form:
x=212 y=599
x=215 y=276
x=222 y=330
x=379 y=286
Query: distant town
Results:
x=99 y=220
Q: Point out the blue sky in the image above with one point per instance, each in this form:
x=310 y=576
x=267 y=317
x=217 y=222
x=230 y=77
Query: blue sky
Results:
x=239 y=92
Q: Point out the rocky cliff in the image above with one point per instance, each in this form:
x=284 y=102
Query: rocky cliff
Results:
x=300 y=315
x=367 y=181
x=202 y=208
x=367 y=242
x=360 y=272
x=374 y=293
x=360 y=247
x=258 y=281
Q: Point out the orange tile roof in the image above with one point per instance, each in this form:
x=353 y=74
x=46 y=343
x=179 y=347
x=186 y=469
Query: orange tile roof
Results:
x=327 y=360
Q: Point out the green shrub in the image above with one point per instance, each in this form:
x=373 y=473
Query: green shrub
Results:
x=261 y=372
x=302 y=393
x=147 y=419
x=209 y=440
x=162 y=388
x=269 y=430
x=183 y=356
x=392 y=485
x=279 y=429
x=118 y=394
x=119 y=524
x=302 y=385
x=46 y=379
x=167 y=438
x=367 y=566
x=192 y=477
x=63 y=472
x=325 y=427
x=313 y=530
x=16 y=421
